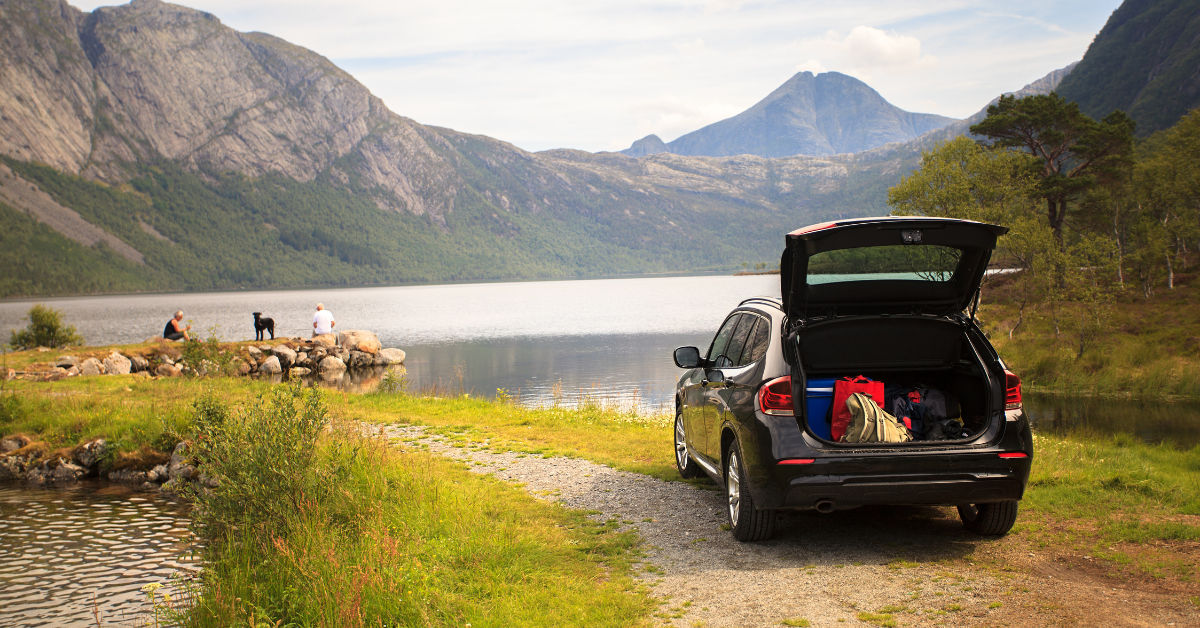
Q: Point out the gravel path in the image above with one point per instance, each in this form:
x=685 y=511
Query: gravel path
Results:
x=848 y=567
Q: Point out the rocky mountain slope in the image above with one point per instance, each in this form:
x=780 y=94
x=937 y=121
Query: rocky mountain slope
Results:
x=824 y=114
x=1144 y=62
x=149 y=147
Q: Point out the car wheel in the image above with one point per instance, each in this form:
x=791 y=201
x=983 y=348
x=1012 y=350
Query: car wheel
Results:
x=992 y=519
x=683 y=462
x=747 y=523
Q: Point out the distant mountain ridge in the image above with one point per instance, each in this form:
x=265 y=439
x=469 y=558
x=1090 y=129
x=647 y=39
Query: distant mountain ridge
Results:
x=1145 y=62
x=823 y=114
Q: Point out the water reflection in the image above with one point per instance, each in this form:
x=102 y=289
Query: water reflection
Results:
x=79 y=556
x=1150 y=421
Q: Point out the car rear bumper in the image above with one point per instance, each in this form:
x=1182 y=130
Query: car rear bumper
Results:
x=828 y=485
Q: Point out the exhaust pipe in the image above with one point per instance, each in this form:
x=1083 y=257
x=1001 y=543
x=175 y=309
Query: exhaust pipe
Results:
x=824 y=506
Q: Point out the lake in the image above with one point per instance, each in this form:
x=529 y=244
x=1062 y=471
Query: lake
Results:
x=542 y=342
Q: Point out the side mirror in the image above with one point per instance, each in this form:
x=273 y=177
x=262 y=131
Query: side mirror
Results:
x=688 y=357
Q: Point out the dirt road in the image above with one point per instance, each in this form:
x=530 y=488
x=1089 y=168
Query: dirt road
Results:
x=880 y=566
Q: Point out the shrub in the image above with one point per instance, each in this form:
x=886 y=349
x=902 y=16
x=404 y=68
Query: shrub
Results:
x=45 y=330
x=263 y=461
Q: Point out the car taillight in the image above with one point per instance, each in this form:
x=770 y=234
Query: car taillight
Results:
x=775 y=397
x=1012 y=391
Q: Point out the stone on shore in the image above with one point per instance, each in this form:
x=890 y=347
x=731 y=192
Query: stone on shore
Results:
x=117 y=364
x=331 y=364
x=66 y=472
x=91 y=453
x=391 y=356
x=361 y=340
x=327 y=341
x=299 y=371
x=91 y=366
x=360 y=359
x=138 y=363
x=270 y=366
x=168 y=370
x=66 y=361
x=286 y=355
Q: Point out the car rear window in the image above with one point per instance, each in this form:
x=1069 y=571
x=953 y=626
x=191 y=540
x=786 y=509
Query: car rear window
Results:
x=878 y=263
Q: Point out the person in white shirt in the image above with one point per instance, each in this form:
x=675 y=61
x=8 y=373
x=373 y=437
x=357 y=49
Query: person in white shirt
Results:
x=323 y=321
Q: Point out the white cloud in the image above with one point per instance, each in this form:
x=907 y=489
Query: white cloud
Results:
x=867 y=47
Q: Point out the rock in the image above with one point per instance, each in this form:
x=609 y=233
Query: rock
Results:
x=91 y=453
x=66 y=472
x=128 y=476
x=157 y=474
x=256 y=354
x=392 y=356
x=73 y=371
x=11 y=468
x=287 y=357
x=360 y=359
x=266 y=349
x=148 y=485
x=180 y=467
x=55 y=375
x=117 y=364
x=299 y=371
x=168 y=370
x=37 y=475
x=301 y=359
x=66 y=361
x=91 y=366
x=243 y=367
x=271 y=366
x=139 y=364
x=328 y=341
x=208 y=367
x=343 y=353
x=361 y=340
x=331 y=364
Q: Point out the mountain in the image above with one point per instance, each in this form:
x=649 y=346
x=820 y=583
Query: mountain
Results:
x=147 y=146
x=821 y=114
x=1144 y=62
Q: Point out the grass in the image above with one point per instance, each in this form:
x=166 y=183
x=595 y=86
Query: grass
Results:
x=353 y=532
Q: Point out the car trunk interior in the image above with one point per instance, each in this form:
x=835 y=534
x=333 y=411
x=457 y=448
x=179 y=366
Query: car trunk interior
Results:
x=906 y=353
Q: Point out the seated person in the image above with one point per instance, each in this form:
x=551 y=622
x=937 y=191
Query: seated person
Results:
x=175 y=329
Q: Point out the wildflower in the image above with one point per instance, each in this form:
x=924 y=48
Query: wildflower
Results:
x=151 y=588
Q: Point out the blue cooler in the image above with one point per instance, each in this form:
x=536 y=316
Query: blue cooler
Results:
x=820 y=399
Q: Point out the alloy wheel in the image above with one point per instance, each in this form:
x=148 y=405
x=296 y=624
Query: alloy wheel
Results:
x=733 y=488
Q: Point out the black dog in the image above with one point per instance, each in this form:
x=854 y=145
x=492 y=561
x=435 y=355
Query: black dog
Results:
x=261 y=323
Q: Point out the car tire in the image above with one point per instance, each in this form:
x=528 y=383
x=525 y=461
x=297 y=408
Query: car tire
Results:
x=991 y=519
x=746 y=522
x=683 y=462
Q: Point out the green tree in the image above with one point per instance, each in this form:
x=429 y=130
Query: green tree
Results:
x=1166 y=180
x=1070 y=147
x=45 y=329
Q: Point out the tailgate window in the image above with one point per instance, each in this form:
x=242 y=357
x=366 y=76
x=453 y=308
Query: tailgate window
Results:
x=927 y=263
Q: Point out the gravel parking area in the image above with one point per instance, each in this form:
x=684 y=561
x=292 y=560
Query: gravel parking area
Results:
x=879 y=566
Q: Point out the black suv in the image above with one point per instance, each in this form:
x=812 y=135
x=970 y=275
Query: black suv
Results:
x=892 y=299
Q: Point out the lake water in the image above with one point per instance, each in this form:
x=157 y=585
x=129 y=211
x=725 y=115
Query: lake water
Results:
x=78 y=556
x=546 y=342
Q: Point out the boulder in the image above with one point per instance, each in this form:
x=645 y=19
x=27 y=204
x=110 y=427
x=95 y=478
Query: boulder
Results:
x=54 y=375
x=168 y=370
x=66 y=361
x=157 y=474
x=91 y=366
x=361 y=340
x=11 y=468
x=66 y=472
x=327 y=341
x=301 y=359
x=391 y=356
x=343 y=353
x=256 y=354
x=270 y=366
x=331 y=365
x=180 y=466
x=117 y=364
x=299 y=371
x=91 y=453
x=287 y=357
x=139 y=363
x=243 y=367
x=360 y=359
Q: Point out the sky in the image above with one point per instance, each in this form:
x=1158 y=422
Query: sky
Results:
x=598 y=74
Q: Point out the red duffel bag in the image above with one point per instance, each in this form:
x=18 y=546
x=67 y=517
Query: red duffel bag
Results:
x=842 y=389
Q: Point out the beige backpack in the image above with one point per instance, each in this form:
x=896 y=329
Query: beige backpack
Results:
x=870 y=424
